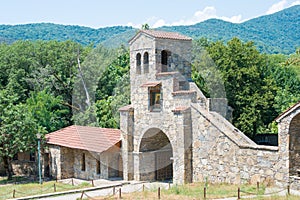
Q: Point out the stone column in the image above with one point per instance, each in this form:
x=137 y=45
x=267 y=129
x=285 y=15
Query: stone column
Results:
x=182 y=152
x=127 y=127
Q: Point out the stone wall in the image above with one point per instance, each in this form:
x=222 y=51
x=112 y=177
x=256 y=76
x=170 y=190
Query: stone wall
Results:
x=221 y=157
x=67 y=163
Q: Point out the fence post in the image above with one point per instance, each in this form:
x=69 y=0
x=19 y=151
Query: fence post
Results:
x=72 y=182
x=257 y=187
x=14 y=193
x=169 y=185
x=204 y=195
x=120 y=193
x=239 y=193
x=288 y=189
x=82 y=195
x=114 y=190
x=158 y=192
x=93 y=183
x=54 y=187
x=143 y=187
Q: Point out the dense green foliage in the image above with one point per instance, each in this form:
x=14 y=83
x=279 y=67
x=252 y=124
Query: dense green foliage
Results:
x=258 y=87
x=275 y=33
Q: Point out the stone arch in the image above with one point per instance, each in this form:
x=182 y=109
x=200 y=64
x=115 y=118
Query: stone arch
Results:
x=138 y=63
x=155 y=156
x=146 y=62
x=294 y=146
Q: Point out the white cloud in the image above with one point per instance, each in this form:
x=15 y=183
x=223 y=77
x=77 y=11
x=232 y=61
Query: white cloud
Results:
x=277 y=7
x=281 y=5
x=295 y=3
x=199 y=16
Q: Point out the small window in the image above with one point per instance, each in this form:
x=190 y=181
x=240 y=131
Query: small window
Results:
x=138 y=63
x=32 y=156
x=83 y=162
x=155 y=99
x=146 y=62
x=98 y=167
x=164 y=61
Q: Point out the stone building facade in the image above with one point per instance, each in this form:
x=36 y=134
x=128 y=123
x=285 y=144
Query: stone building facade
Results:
x=172 y=131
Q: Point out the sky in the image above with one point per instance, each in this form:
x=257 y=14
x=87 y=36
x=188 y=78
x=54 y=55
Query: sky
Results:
x=103 y=13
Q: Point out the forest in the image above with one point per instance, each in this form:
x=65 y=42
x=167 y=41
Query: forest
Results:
x=48 y=85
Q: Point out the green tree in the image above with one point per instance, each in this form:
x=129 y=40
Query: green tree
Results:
x=249 y=90
x=18 y=129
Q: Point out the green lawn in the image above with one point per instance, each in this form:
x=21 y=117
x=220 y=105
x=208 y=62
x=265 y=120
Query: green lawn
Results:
x=195 y=191
x=28 y=189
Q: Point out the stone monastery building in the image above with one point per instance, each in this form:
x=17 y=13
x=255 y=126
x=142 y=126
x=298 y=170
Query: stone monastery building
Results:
x=171 y=131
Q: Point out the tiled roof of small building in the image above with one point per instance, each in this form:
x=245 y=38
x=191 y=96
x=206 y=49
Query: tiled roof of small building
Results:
x=93 y=139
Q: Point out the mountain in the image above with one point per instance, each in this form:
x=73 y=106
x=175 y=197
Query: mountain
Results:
x=49 y=31
x=275 y=33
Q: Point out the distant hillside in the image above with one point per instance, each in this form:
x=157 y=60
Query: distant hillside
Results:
x=49 y=31
x=275 y=33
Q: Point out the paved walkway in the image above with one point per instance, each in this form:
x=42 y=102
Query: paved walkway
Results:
x=131 y=187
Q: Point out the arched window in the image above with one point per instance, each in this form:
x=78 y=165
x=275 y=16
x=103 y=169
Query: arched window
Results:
x=138 y=63
x=146 y=62
x=164 y=61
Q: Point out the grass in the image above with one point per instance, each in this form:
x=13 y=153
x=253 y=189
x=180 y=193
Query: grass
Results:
x=193 y=191
x=29 y=189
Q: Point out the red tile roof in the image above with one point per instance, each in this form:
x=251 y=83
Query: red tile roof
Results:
x=165 y=35
x=161 y=35
x=84 y=137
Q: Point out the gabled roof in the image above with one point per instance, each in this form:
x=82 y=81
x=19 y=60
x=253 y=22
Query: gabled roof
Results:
x=287 y=112
x=88 y=138
x=161 y=35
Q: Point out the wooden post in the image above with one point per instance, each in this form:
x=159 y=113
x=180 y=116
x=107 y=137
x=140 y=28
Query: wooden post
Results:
x=14 y=193
x=114 y=190
x=82 y=195
x=257 y=187
x=204 y=193
x=239 y=193
x=72 y=182
x=54 y=187
x=143 y=187
x=169 y=185
x=93 y=183
x=56 y=179
x=158 y=192
x=288 y=190
x=120 y=193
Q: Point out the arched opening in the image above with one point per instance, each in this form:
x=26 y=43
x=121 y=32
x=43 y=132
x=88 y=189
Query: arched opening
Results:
x=294 y=146
x=146 y=62
x=156 y=154
x=138 y=63
x=164 y=60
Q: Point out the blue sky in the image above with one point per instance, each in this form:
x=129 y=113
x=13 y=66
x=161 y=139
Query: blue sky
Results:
x=100 y=13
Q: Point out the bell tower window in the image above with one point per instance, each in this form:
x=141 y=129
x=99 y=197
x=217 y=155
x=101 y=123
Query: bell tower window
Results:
x=146 y=62
x=138 y=63
x=164 y=61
